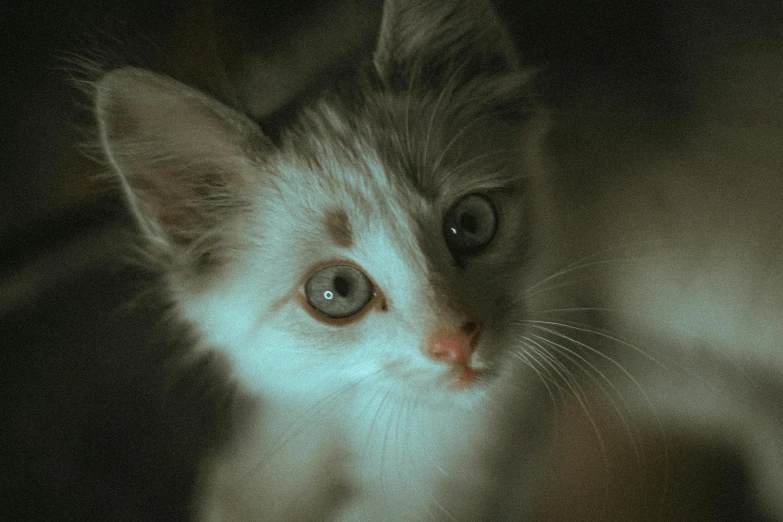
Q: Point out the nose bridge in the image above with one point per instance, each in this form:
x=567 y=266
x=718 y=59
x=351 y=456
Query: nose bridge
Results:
x=449 y=283
x=441 y=304
x=453 y=306
x=456 y=326
x=445 y=310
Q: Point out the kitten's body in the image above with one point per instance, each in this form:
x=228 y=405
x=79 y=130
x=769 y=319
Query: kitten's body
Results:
x=361 y=418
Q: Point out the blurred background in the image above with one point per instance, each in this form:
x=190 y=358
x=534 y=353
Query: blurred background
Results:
x=92 y=426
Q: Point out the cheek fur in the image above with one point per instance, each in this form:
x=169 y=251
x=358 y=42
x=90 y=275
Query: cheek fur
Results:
x=379 y=350
x=223 y=317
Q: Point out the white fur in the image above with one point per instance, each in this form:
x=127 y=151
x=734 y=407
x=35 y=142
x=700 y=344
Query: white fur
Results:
x=364 y=391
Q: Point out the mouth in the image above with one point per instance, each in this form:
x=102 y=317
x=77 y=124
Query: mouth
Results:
x=458 y=377
x=465 y=377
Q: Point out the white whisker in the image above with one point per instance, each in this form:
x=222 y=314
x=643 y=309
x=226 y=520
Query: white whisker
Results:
x=599 y=354
x=409 y=97
x=579 y=360
x=428 y=135
x=457 y=136
x=574 y=268
x=294 y=428
x=584 y=328
x=580 y=396
x=584 y=261
x=528 y=358
x=687 y=370
x=442 y=509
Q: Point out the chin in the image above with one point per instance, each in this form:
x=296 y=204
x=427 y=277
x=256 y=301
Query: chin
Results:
x=449 y=390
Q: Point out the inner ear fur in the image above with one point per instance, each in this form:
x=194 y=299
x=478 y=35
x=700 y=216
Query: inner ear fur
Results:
x=183 y=159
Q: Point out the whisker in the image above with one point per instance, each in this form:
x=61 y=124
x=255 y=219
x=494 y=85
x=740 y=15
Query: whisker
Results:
x=400 y=418
x=545 y=379
x=585 y=328
x=580 y=396
x=382 y=466
x=528 y=293
x=303 y=420
x=580 y=263
x=480 y=157
x=555 y=364
x=579 y=360
x=434 y=114
x=409 y=97
x=688 y=371
x=428 y=509
x=441 y=508
x=458 y=135
x=595 y=331
x=680 y=366
x=376 y=416
x=599 y=354
x=371 y=429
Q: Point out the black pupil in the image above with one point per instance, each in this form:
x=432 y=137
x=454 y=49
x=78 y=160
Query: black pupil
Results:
x=469 y=222
x=342 y=286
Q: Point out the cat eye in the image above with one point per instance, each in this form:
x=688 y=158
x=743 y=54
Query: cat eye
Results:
x=470 y=225
x=338 y=291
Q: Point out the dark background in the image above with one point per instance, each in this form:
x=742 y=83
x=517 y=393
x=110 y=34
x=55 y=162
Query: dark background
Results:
x=93 y=426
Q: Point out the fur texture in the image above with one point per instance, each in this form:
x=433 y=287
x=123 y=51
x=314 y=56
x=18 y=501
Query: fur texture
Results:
x=634 y=280
x=354 y=420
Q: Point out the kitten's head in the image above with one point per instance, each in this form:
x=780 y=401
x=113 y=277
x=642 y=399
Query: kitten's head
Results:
x=383 y=239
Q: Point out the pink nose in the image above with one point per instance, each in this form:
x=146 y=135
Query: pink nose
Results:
x=454 y=347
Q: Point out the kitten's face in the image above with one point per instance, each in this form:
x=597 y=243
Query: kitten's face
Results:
x=383 y=242
x=347 y=269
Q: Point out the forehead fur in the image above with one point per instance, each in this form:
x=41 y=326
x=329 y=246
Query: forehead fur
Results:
x=406 y=157
x=391 y=166
x=439 y=145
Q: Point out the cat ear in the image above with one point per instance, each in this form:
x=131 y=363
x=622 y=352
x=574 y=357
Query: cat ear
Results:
x=441 y=41
x=182 y=158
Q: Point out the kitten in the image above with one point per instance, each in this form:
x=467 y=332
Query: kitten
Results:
x=405 y=275
x=359 y=272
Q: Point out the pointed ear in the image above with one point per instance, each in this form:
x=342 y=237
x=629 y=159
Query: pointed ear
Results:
x=184 y=159
x=441 y=41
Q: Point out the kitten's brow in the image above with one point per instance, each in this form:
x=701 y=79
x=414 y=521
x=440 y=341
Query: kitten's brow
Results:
x=339 y=227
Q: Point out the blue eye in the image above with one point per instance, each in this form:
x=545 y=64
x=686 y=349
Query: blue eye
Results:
x=338 y=291
x=470 y=225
